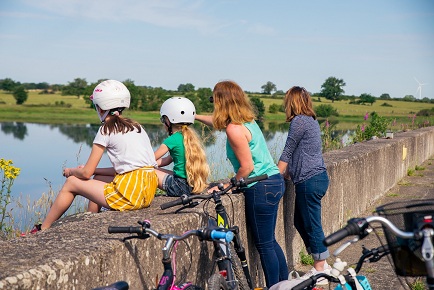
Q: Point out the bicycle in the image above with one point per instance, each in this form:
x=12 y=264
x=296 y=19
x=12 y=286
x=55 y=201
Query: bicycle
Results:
x=229 y=274
x=342 y=273
x=409 y=231
x=167 y=280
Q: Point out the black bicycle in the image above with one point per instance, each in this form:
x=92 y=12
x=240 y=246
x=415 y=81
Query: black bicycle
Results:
x=233 y=272
x=167 y=280
x=409 y=231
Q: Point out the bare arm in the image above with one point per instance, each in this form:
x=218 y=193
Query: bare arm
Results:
x=86 y=171
x=207 y=120
x=159 y=153
x=239 y=137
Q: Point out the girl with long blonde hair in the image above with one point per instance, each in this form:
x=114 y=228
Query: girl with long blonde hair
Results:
x=190 y=168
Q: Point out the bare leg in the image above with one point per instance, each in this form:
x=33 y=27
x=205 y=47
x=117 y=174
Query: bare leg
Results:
x=319 y=265
x=161 y=173
x=90 y=189
x=91 y=206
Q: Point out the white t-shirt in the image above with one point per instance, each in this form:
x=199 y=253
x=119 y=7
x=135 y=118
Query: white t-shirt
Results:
x=127 y=151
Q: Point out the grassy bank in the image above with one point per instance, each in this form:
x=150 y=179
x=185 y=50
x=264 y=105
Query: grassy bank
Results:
x=58 y=109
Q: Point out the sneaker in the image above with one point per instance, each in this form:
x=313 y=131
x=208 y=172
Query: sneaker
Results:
x=36 y=229
x=313 y=272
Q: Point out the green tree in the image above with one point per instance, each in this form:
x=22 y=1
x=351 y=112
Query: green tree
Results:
x=185 y=88
x=20 y=95
x=135 y=93
x=259 y=107
x=75 y=88
x=332 y=88
x=268 y=88
x=202 y=102
x=385 y=97
x=367 y=99
x=409 y=98
x=8 y=84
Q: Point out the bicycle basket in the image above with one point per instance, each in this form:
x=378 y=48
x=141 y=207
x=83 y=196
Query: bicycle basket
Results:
x=407 y=216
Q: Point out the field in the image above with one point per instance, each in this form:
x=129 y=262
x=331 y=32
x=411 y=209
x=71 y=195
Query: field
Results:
x=351 y=114
x=55 y=108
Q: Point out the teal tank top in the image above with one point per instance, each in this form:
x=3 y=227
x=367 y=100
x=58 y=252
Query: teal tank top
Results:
x=263 y=163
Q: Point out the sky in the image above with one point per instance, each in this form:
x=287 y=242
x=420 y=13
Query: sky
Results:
x=375 y=46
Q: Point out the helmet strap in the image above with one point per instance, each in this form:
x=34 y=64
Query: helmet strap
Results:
x=103 y=116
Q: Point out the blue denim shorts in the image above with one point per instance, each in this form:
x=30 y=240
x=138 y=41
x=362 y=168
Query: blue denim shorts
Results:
x=176 y=186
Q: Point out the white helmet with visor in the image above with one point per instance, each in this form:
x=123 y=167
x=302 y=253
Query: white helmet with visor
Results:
x=108 y=95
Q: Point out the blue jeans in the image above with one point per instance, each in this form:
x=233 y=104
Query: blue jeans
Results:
x=261 y=204
x=307 y=216
x=175 y=186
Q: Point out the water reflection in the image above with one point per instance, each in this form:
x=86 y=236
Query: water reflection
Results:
x=41 y=151
x=17 y=129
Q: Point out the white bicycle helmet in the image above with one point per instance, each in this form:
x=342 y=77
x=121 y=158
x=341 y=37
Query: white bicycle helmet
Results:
x=178 y=110
x=110 y=94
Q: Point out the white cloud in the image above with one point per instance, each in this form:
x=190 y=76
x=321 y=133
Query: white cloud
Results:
x=163 y=13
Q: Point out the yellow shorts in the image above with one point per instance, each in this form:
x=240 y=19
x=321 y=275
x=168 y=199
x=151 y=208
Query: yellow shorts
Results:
x=132 y=190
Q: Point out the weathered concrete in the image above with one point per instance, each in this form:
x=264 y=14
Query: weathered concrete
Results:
x=78 y=253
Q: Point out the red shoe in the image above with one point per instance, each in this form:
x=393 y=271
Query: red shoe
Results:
x=35 y=229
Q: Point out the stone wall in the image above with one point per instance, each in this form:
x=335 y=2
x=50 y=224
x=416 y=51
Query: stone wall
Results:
x=78 y=253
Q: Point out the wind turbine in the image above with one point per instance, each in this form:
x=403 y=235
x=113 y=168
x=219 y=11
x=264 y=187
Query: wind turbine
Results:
x=419 y=88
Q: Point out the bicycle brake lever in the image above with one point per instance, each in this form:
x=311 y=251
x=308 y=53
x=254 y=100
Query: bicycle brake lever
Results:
x=344 y=246
x=142 y=237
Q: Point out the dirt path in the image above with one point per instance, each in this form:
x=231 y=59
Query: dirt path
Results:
x=381 y=275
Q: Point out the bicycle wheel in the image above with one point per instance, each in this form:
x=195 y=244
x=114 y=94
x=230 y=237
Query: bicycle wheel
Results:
x=217 y=282
x=238 y=269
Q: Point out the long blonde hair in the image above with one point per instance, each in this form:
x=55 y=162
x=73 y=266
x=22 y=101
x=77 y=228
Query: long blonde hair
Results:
x=231 y=105
x=196 y=165
x=297 y=101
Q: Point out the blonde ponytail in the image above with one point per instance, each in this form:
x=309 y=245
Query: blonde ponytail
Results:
x=196 y=165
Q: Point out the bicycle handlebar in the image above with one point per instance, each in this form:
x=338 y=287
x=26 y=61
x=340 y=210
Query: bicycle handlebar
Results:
x=207 y=234
x=312 y=281
x=358 y=226
x=186 y=199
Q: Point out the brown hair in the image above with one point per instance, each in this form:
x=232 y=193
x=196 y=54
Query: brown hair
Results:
x=116 y=123
x=298 y=101
x=231 y=105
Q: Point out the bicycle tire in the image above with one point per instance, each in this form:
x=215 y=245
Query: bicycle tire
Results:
x=238 y=269
x=217 y=282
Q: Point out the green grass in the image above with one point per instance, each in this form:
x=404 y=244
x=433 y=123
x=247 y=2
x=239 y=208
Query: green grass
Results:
x=351 y=115
x=306 y=259
x=42 y=108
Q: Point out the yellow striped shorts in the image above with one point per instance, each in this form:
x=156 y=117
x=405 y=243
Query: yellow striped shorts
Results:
x=132 y=190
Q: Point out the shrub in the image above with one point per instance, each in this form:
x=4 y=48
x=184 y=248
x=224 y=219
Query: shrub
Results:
x=326 y=111
x=386 y=105
x=274 y=108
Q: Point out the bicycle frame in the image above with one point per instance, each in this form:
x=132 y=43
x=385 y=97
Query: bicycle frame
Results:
x=359 y=227
x=222 y=251
x=166 y=282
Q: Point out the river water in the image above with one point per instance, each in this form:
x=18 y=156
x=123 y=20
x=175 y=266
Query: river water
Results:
x=42 y=151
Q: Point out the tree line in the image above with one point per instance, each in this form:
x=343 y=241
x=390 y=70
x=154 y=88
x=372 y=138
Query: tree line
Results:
x=147 y=98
